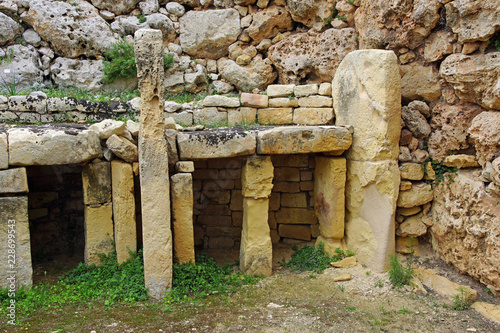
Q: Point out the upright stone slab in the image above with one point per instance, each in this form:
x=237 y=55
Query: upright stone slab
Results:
x=329 y=196
x=98 y=232
x=256 y=251
x=153 y=165
x=4 y=155
x=96 y=181
x=182 y=216
x=13 y=181
x=14 y=216
x=366 y=94
x=123 y=209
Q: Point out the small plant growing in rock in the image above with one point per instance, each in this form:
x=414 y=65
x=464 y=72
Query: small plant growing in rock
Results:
x=443 y=173
x=141 y=18
x=398 y=274
x=461 y=300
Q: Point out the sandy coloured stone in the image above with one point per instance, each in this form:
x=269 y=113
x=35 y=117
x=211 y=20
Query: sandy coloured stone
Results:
x=315 y=102
x=330 y=244
x=222 y=101
x=408 y=211
x=108 y=127
x=296 y=216
x=312 y=116
x=98 y=232
x=411 y=171
x=153 y=165
x=283 y=102
x=371 y=195
x=182 y=217
x=122 y=148
x=329 y=189
x=442 y=285
x=302 y=232
x=412 y=226
x=123 y=209
x=96 y=181
x=490 y=311
x=243 y=115
x=280 y=90
x=184 y=166
x=290 y=140
x=4 y=155
x=461 y=161
x=419 y=194
x=325 y=89
x=370 y=101
x=254 y=100
x=343 y=277
x=346 y=262
x=275 y=116
x=14 y=216
x=406 y=245
x=13 y=181
x=257 y=177
x=305 y=90
x=256 y=246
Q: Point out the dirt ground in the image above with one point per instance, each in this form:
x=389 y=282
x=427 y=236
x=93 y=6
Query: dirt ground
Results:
x=286 y=302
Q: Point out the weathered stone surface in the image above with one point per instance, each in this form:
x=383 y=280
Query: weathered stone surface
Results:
x=275 y=116
x=473 y=20
x=123 y=209
x=108 y=127
x=412 y=227
x=14 y=216
x=242 y=115
x=256 y=75
x=268 y=23
x=52 y=145
x=395 y=24
x=31 y=103
x=290 y=140
x=84 y=74
x=371 y=194
x=302 y=232
x=153 y=164
x=407 y=245
x=118 y=7
x=209 y=116
x=485 y=133
x=223 y=101
x=184 y=166
x=370 y=101
x=122 y=148
x=9 y=29
x=315 y=101
x=96 y=181
x=215 y=144
x=4 y=155
x=293 y=200
x=311 y=13
x=416 y=122
x=466 y=227
x=133 y=127
x=419 y=81
x=315 y=58
x=280 y=90
x=312 y=116
x=175 y=8
x=419 y=194
x=346 y=262
x=442 y=285
x=24 y=68
x=490 y=311
x=13 y=181
x=437 y=45
x=208 y=34
x=450 y=124
x=283 y=102
x=296 y=216
x=474 y=77
x=256 y=246
x=411 y=171
x=461 y=161
x=72 y=30
x=254 y=100
x=306 y=90
x=325 y=89
x=182 y=216
x=257 y=177
x=128 y=25
x=329 y=198
x=98 y=232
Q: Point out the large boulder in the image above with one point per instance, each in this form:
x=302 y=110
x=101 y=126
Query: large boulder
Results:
x=208 y=34
x=473 y=20
x=23 y=71
x=118 y=7
x=311 y=13
x=476 y=78
x=9 y=29
x=128 y=25
x=84 y=74
x=72 y=29
x=419 y=81
x=395 y=23
x=450 y=125
x=485 y=133
x=315 y=58
x=269 y=22
x=258 y=74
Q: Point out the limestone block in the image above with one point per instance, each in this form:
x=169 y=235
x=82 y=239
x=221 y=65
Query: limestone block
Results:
x=222 y=101
x=280 y=90
x=123 y=209
x=419 y=194
x=254 y=100
x=371 y=193
x=256 y=247
x=315 y=102
x=413 y=226
x=184 y=166
x=329 y=189
x=418 y=81
x=411 y=171
x=290 y=140
x=28 y=103
x=4 y=155
x=122 y=148
x=408 y=211
x=490 y=311
x=153 y=164
x=53 y=145
x=366 y=94
x=215 y=144
x=294 y=200
x=406 y=245
x=302 y=232
x=96 y=180
x=283 y=102
x=442 y=285
x=312 y=116
x=461 y=161
x=14 y=216
x=257 y=177
x=346 y=262
x=325 y=89
x=182 y=217
x=275 y=116
x=244 y=115
x=287 y=174
x=209 y=116
x=485 y=133
x=98 y=232
x=306 y=90
x=296 y=216
x=108 y=127
x=133 y=127
x=331 y=244
x=13 y=181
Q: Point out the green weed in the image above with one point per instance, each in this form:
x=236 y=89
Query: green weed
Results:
x=443 y=173
x=185 y=97
x=404 y=310
x=461 y=300
x=9 y=55
x=399 y=275
x=141 y=18
x=350 y=308
x=119 y=62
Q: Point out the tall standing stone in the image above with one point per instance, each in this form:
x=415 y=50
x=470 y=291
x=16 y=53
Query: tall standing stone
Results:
x=366 y=94
x=182 y=216
x=123 y=209
x=256 y=251
x=153 y=165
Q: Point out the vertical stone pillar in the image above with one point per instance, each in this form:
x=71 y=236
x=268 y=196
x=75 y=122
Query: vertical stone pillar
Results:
x=366 y=92
x=153 y=164
x=122 y=179
x=98 y=211
x=256 y=252
x=329 y=198
x=182 y=216
x=15 y=266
